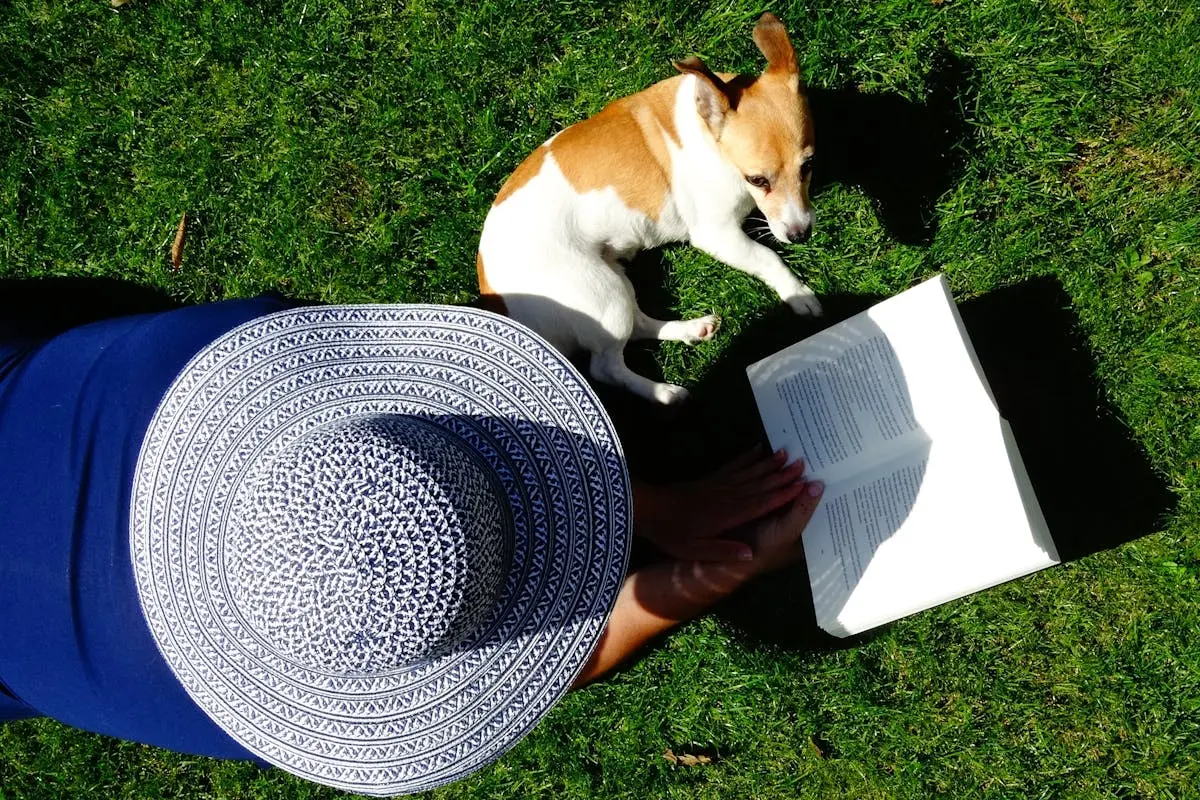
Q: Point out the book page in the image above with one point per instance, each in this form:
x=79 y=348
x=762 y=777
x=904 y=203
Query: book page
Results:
x=926 y=496
x=874 y=386
x=933 y=525
x=859 y=517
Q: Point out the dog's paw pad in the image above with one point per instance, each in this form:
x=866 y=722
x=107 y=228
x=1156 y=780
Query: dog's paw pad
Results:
x=670 y=395
x=706 y=327
x=806 y=304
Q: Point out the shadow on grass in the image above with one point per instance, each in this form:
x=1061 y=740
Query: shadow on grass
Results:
x=903 y=155
x=41 y=307
x=1075 y=446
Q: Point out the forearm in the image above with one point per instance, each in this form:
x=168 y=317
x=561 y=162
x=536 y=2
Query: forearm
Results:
x=655 y=599
x=646 y=506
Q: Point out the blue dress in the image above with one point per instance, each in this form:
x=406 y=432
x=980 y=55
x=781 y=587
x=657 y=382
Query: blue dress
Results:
x=73 y=410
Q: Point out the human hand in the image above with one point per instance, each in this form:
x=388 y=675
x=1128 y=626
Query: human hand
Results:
x=659 y=596
x=685 y=520
x=775 y=540
x=690 y=586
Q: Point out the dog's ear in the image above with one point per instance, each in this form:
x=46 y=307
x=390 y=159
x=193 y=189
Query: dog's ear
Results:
x=714 y=97
x=772 y=39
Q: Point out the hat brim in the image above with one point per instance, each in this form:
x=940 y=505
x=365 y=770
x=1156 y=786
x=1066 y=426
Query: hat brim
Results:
x=511 y=397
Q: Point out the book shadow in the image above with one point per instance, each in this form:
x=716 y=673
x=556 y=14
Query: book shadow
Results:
x=1044 y=379
x=1028 y=340
x=1095 y=482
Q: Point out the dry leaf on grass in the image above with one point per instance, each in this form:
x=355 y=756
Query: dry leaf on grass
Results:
x=687 y=759
x=816 y=748
x=177 y=245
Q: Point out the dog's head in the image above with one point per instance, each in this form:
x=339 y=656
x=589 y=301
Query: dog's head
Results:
x=762 y=127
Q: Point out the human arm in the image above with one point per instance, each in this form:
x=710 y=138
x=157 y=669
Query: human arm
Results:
x=658 y=597
x=686 y=519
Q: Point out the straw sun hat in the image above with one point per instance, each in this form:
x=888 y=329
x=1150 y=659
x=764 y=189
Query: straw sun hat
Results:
x=376 y=544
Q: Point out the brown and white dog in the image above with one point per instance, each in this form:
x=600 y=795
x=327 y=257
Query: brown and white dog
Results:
x=685 y=160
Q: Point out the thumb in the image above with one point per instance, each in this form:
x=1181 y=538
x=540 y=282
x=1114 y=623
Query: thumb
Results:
x=786 y=529
x=806 y=504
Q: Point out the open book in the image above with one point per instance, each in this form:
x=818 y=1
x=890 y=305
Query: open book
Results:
x=926 y=499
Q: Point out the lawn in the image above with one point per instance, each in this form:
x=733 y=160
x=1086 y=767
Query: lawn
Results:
x=348 y=152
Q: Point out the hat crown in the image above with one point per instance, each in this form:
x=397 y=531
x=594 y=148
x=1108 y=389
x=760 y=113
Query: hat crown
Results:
x=368 y=545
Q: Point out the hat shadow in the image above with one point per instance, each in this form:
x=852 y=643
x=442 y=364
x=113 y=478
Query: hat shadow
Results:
x=1044 y=379
x=1029 y=343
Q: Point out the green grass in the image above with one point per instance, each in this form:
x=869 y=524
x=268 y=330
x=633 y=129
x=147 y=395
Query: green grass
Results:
x=348 y=152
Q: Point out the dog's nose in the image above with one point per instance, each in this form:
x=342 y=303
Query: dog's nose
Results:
x=799 y=233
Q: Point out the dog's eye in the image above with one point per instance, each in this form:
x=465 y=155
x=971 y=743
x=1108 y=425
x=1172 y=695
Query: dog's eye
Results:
x=758 y=180
x=806 y=169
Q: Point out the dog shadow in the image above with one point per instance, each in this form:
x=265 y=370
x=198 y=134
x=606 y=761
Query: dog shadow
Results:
x=903 y=155
x=1029 y=343
x=1044 y=379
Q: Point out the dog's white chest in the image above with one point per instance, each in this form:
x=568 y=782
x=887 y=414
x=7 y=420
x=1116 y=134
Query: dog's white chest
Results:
x=601 y=218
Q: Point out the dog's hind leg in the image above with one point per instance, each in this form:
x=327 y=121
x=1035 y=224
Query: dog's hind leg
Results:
x=608 y=366
x=602 y=316
x=689 y=331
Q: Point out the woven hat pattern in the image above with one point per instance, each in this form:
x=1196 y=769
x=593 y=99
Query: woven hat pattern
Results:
x=367 y=545
x=412 y=720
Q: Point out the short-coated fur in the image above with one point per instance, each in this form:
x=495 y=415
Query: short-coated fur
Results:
x=684 y=160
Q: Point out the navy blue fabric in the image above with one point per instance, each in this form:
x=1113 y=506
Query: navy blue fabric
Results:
x=73 y=410
x=12 y=709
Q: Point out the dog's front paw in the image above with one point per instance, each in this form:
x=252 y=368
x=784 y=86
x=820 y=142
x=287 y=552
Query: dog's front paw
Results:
x=805 y=303
x=703 y=329
x=670 y=395
x=709 y=326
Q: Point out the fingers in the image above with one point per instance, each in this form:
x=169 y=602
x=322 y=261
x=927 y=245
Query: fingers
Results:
x=778 y=535
x=798 y=516
x=788 y=475
x=750 y=468
x=776 y=499
x=759 y=468
x=755 y=506
x=768 y=471
x=763 y=486
x=753 y=499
